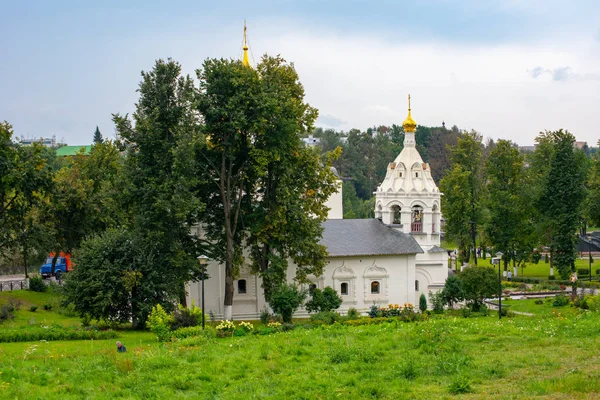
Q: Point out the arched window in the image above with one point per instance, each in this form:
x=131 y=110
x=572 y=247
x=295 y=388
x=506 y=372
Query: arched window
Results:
x=375 y=287
x=396 y=215
x=417 y=219
x=241 y=284
x=344 y=288
x=311 y=288
x=416 y=286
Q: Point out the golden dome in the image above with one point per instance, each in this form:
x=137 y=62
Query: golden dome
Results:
x=409 y=124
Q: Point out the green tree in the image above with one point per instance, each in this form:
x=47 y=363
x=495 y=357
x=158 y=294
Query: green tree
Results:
x=231 y=104
x=324 y=300
x=478 y=284
x=561 y=200
x=462 y=187
x=98 y=136
x=289 y=182
x=508 y=226
x=453 y=291
x=286 y=299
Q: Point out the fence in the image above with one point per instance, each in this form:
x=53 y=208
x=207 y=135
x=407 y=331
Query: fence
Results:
x=19 y=284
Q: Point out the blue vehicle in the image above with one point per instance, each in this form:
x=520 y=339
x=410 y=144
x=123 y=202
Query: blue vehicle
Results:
x=63 y=265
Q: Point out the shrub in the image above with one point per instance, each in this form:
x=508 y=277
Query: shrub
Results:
x=286 y=299
x=551 y=277
x=325 y=317
x=324 y=300
x=594 y=303
x=225 y=328
x=373 y=311
x=597 y=271
x=33 y=308
x=47 y=307
x=54 y=332
x=158 y=322
x=7 y=312
x=437 y=301
x=560 y=301
x=539 y=301
x=453 y=291
x=546 y=258
x=422 y=302
x=183 y=333
x=265 y=316
x=479 y=283
x=583 y=272
x=353 y=313
x=184 y=317
x=37 y=284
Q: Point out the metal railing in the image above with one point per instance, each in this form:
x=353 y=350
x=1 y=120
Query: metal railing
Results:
x=416 y=227
x=13 y=285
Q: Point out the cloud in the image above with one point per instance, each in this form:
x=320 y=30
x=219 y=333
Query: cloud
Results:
x=330 y=121
x=562 y=74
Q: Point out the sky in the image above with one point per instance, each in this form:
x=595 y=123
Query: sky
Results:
x=508 y=69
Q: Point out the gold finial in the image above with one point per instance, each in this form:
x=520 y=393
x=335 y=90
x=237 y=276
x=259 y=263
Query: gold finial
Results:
x=409 y=124
x=245 y=60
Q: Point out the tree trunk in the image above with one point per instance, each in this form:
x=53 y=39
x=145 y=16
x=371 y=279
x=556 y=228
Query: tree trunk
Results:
x=474 y=239
x=228 y=302
x=25 y=257
x=52 y=270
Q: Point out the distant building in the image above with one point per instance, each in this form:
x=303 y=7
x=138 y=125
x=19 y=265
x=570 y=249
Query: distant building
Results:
x=48 y=142
x=311 y=141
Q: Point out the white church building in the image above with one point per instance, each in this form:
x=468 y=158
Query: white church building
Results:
x=390 y=259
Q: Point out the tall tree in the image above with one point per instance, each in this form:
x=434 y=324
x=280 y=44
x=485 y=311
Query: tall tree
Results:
x=231 y=104
x=562 y=195
x=290 y=183
x=98 y=136
x=462 y=188
x=508 y=213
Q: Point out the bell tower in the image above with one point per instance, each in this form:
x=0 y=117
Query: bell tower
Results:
x=408 y=198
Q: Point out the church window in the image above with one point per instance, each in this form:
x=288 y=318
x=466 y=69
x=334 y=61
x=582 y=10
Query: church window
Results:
x=311 y=288
x=400 y=174
x=344 y=289
x=416 y=174
x=375 y=287
x=397 y=215
x=416 y=286
x=241 y=284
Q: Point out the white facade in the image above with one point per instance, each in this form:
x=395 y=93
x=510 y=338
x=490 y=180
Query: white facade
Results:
x=368 y=269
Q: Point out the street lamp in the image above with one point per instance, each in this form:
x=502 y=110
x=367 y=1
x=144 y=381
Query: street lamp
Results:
x=589 y=243
x=202 y=260
x=497 y=260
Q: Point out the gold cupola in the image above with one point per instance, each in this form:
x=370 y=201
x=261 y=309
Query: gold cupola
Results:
x=245 y=60
x=409 y=124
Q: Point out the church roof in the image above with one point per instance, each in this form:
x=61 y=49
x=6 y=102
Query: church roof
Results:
x=365 y=237
x=437 y=249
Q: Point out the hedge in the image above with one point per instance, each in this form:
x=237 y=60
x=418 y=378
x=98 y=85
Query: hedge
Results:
x=51 y=333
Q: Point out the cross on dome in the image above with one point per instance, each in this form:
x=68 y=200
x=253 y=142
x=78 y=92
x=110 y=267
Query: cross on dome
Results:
x=409 y=124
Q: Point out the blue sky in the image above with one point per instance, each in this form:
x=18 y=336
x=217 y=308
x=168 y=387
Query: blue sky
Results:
x=507 y=69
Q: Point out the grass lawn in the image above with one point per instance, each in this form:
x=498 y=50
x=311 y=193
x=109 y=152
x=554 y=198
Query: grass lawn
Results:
x=550 y=355
x=25 y=317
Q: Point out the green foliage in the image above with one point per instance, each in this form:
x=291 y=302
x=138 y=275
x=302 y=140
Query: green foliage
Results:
x=460 y=385
x=594 y=303
x=353 y=313
x=37 y=284
x=47 y=306
x=583 y=272
x=546 y=258
x=53 y=332
x=183 y=317
x=561 y=301
x=159 y=322
x=551 y=277
x=324 y=300
x=286 y=300
x=98 y=136
x=7 y=311
x=325 y=317
x=453 y=291
x=462 y=187
x=33 y=308
x=422 y=302
x=437 y=301
x=479 y=283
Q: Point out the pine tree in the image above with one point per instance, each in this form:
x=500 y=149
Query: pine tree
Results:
x=98 y=136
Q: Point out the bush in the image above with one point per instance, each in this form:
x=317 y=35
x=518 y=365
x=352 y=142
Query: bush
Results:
x=551 y=277
x=324 y=300
x=453 y=291
x=593 y=303
x=437 y=301
x=54 y=332
x=583 y=272
x=460 y=385
x=33 y=308
x=325 y=317
x=47 y=307
x=353 y=313
x=422 y=302
x=560 y=301
x=479 y=283
x=597 y=271
x=265 y=316
x=546 y=258
x=225 y=328
x=158 y=322
x=539 y=301
x=183 y=333
x=7 y=312
x=184 y=317
x=286 y=300
x=37 y=284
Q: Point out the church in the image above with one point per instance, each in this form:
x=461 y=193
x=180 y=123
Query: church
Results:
x=390 y=259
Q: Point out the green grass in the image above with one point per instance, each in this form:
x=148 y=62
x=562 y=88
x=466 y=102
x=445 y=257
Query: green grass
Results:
x=541 y=310
x=542 y=270
x=546 y=356
x=24 y=317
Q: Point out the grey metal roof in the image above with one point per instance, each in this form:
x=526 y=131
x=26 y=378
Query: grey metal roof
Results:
x=437 y=249
x=362 y=237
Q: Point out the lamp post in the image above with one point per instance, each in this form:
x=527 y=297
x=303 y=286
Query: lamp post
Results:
x=589 y=243
x=202 y=260
x=497 y=260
